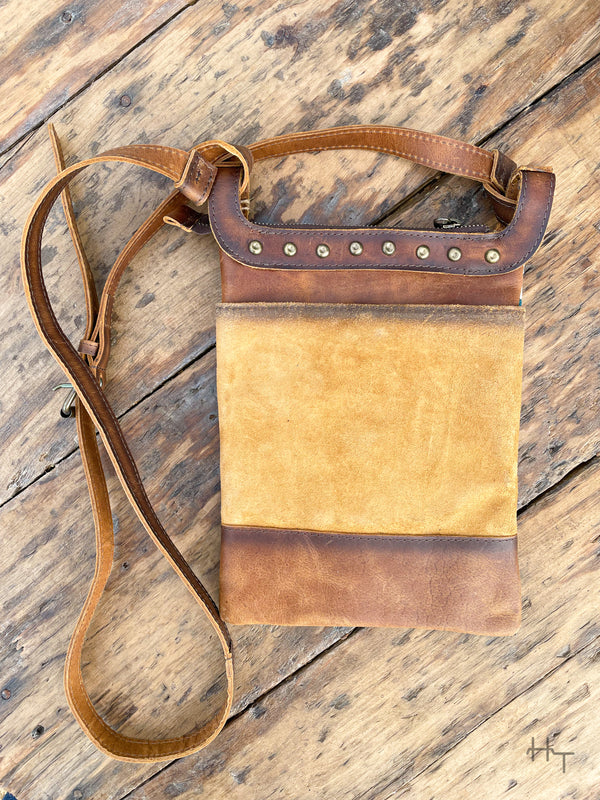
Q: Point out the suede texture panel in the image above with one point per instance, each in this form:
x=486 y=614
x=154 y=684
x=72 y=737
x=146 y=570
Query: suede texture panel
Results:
x=392 y=419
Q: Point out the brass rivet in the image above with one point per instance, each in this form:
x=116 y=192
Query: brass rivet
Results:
x=290 y=249
x=322 y=250
x=492 y=256
x=422 y=251
x=255 y=247
x=454 y=254
x=356 y=248
x=388 y=248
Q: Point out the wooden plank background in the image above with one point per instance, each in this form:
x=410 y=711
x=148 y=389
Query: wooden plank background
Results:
x=329 y=713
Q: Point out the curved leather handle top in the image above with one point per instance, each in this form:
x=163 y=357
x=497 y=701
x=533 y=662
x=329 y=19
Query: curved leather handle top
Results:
x=194 y=174
x=512 y=246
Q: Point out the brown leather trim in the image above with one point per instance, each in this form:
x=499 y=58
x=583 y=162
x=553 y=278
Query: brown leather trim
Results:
x=515 y=243
x=243 y=284
x=294 y=577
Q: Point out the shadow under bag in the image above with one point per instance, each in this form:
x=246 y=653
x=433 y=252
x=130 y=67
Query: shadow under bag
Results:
x=369 y=392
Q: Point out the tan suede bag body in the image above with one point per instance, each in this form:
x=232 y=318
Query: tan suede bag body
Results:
x=369 y=393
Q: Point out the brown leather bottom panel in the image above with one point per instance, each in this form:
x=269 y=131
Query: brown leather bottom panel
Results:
x=241 y=283
x=290 y=577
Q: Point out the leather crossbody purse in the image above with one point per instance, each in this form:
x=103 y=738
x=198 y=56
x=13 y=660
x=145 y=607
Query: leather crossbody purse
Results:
x=369 y=391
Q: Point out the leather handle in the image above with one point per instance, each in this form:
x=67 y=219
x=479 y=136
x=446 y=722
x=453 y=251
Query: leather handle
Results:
x=431 y=150
x=492 y=167
x=514 y=244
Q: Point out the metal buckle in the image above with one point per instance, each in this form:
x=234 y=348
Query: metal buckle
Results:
x=68 y=407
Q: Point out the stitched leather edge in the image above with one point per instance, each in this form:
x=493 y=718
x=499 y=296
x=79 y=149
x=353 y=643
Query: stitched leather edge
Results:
x=233 y=231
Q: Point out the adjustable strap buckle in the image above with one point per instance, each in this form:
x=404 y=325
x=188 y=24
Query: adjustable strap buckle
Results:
x=68 y=407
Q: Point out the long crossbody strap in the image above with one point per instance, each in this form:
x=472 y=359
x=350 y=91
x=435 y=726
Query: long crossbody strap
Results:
x=94 y=412
x=192 y=173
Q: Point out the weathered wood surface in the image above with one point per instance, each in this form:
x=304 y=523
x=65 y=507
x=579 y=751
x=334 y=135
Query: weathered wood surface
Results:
x=340 y=63
x=152 y=663
x=165 y=321
x=392 y=713
x=561 y=295
x=49 y=54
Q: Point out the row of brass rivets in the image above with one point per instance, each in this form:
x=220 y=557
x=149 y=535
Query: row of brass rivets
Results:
x=389 y=248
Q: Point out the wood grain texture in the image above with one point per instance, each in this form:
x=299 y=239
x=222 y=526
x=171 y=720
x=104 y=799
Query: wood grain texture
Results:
x=48 y=55
x=494 y=759
x=427 y=714
x=561 y=371
x=211 y=73
x=243 y=72
x=151 y=661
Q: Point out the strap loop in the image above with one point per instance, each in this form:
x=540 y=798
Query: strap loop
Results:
x=197 y=178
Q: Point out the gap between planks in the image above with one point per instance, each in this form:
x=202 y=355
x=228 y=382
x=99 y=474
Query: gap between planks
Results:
x=23 y=137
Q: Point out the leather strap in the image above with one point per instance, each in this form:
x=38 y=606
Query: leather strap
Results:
x=430 y=150
x=193 y=174
x=91 y=296
x=94 y=412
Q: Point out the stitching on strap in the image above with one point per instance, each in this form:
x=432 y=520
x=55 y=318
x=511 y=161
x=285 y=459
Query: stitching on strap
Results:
x=447 y=142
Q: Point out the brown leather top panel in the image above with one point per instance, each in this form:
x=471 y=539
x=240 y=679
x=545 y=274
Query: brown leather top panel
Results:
x=240 y=283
